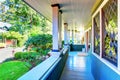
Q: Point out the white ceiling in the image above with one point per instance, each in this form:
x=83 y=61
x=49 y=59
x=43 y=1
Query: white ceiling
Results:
x=75 y=12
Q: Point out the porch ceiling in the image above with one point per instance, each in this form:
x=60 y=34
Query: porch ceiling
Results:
x=75 y=12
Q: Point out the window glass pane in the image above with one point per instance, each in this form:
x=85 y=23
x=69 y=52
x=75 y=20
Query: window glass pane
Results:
x=97 y=34
x=111 y=31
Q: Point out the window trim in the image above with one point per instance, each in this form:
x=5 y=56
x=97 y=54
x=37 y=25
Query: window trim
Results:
x=108 y=63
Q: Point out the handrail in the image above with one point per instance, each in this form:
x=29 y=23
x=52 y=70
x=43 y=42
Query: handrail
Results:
x=49 y=70
x=43 y=70
x=37 y=72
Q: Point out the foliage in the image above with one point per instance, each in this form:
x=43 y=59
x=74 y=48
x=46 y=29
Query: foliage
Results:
x=33 y=58
x=18 y=55
x=34 y=31
x=12 y=70
x=27 y=56
x=63 y=43
x=22 y=17
x=15 y=35
x=12 y=35
x=40 y=50
x=24 y=20
x=42 y=41
x=0 y=35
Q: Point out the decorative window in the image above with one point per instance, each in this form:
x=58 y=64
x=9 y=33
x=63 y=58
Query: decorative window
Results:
x=111 y=31
x=97 y=34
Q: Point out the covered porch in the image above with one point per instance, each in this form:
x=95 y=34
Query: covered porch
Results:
x=90 y=30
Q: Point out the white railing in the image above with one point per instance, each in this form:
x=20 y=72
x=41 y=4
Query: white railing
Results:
x=43 y=70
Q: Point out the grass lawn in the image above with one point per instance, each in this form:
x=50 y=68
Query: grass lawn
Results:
x=12 y=70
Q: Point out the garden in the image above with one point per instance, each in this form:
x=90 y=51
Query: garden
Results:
x=29 y=30
x=37 y=48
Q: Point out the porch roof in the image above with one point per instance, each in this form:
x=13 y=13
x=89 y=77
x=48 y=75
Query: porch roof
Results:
x=76 y=13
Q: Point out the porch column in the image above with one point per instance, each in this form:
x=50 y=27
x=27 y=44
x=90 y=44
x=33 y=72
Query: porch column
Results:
x=60 y=29
x=72 y=36
x=118 y=34
x=89 y=36
x=89 y=39
x=86 y=41
x=68 y=36
x=55 y=24
x=75 y=35
x=65 y=33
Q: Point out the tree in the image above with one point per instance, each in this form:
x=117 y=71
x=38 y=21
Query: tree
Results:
x=40 y=43
x=22 y=17
x=14 y=35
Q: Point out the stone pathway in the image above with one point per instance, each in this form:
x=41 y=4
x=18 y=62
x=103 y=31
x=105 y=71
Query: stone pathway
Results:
x=8 y=53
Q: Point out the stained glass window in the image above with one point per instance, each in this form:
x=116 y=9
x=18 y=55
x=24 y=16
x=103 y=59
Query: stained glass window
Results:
x=111 y=31
x=97 y=34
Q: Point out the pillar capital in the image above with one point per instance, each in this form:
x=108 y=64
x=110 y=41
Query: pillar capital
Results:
x=66 y=24
x=56 y=5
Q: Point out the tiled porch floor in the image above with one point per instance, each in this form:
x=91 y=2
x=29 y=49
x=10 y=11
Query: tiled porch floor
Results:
x=78 y=67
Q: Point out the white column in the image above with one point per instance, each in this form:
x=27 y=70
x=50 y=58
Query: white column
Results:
x=60 y=29
x=86 y=41
x=118 y=34
x=89 y=36
x=89 y=39
x=72 y=36
x=68 y=36
x=75 y=35
x=55 y=22
x=65 y=33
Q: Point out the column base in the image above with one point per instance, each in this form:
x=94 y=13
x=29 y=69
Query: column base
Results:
x=54 y=50
x=55 y=53
x=66 y=45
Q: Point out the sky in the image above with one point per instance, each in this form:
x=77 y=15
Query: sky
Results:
x=2 y=0
x=2 y=24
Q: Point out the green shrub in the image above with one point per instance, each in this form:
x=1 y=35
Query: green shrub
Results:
x=48 y=46
x=33 y=58
x=18 y=55
x=27 y=56
x=41 y=41
x=62 y=43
